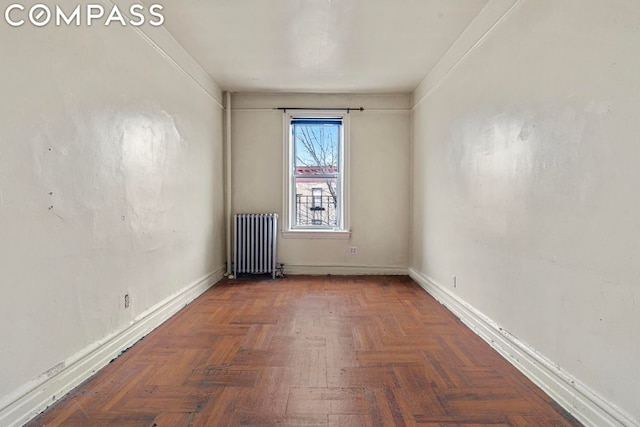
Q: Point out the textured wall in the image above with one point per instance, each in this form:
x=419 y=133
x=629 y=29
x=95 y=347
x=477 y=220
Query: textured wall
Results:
x=525 y=186
x=110 y=184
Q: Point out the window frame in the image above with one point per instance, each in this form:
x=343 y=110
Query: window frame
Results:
x=290 y=230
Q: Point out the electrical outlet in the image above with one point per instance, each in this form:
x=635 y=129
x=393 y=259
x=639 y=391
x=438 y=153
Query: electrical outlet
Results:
x=454 y=281
x=353 y=250
x=127 y=301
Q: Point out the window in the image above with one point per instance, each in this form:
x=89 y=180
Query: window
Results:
x=315 y=183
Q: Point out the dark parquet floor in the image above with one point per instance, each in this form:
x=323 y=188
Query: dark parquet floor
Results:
x=309 y=351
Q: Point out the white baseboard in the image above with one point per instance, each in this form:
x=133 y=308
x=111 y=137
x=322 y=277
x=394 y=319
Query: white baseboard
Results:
x=575 y=397
x=346 y=270
x=35 y=397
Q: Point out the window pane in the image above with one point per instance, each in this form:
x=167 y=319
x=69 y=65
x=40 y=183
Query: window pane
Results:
x=316 y=202
x=317 y=146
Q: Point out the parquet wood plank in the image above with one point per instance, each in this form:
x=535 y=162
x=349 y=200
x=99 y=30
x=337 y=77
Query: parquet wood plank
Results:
x=228 y=409
x=222 y=376
x=365 y=377
x=173 y=419
x=156 y=399
x=287 y=421
x=385 y=402
x=326 y=400
x=341 y=420
x=309 y=351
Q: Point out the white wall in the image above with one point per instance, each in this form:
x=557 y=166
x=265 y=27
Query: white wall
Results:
x=379 y=206
x=110 y=184
x=525 y=164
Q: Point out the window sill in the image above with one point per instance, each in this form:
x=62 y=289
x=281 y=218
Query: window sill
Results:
x=316 y=234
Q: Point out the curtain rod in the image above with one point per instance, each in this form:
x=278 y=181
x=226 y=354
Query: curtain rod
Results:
x=347 y=109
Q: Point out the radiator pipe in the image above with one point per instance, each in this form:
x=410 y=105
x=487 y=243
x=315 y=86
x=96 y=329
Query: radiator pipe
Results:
x=227 y=171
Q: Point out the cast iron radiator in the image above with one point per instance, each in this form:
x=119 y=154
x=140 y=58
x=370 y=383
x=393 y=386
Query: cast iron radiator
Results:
x=254 y=248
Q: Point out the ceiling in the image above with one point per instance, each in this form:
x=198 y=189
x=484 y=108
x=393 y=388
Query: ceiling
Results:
x=349 y=46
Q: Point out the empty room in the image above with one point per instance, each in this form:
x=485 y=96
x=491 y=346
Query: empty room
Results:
x=320 y=213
